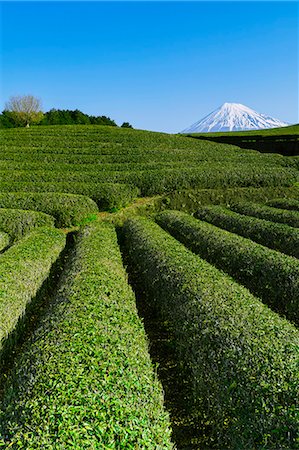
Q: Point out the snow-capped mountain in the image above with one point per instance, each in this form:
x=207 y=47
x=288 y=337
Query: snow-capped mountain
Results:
x=234 y=117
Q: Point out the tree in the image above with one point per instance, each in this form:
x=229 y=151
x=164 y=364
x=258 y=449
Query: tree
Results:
x=126 y=125
x=25 y=109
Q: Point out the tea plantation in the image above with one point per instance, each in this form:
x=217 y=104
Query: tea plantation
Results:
x=149 y=292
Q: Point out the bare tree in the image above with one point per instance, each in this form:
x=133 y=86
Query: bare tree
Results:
x=26 y=109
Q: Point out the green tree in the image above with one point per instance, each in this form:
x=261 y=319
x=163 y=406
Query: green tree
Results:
x=126 y=125
x=24 y=109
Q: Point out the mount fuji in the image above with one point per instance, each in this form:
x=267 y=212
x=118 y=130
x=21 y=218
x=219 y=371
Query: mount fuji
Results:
x=234 y=117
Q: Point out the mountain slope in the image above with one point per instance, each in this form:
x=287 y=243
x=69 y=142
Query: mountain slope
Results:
x=234 y=117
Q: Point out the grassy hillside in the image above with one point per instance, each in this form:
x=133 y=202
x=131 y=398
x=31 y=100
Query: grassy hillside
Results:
x=282 y=131
x=283 y=140
x=156 y=332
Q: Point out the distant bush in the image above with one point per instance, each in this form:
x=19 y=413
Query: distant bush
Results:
x=126 y=125
x=238 y=357
x=18 y=222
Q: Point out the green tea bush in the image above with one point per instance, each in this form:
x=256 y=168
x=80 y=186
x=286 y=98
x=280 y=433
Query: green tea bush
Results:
x=267 y=273
x=4 y=240
x=273 y=235
x=106 y=195
x=190 y=199
x=23 y=269
x=18 y=222
x=67 y=209
x=212 y=175
x=284 y=203
x=86 y=379
x=267 y=212
x=239 y=357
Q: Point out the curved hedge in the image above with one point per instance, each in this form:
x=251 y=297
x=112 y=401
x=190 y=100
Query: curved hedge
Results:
x=268 y=213
x=267 y=273
x=239 y=356
x=4 y=240
x=68 y=209
x=106 y=195
x=23 y=269
x=285 y=203
x=273 y=235
x=86 y=379
x=205 y=175
x=18 y=222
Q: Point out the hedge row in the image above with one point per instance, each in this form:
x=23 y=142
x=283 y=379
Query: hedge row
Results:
x=17 y=222
x=86 y=379
x=239 y=356
x=285 y=203
x=23 y=269
x=132 y=161
x=67 y=209
x=4 y=240
x=106 y=195
x=189 y=200
x=267 y=212
x=269 y=274
x=158 y=181
x=273 y=235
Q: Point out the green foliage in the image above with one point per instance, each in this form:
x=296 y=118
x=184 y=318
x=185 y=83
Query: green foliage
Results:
x=126 y=125
x=68 y=209
x=4 y=240
x=106 y=195
x=74 y=117
x=273 y=235
x=156 y=163
x=24 y=110
x=86 y=379
x=285 y=203
x=189 y=200
x=18 y=222
x=266 y=212
x=23 y=269
x=239 y=357
x=269 y=274
x=281 y=131
x=160 y=181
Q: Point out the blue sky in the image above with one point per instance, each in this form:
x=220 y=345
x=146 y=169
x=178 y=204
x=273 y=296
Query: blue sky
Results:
x=159 y=65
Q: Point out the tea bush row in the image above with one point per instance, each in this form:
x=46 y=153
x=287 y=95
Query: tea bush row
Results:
x=190 y=199
x=238 y=356
x=273 y=235
x=4 y=240
x=159 y=181
x=18 y=222
x=269 y=274
x=86 y=379
x=285 y=203
x=106 y=195
x=23 y=269
x=67 y=209
x=290 y=218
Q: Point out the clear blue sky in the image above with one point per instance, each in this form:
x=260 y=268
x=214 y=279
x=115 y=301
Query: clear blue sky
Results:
x=159 y=65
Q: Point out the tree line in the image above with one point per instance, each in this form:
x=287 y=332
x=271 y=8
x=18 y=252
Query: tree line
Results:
x=26 y=110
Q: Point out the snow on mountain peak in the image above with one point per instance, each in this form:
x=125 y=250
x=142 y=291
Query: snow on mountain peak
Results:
x=234 y=117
